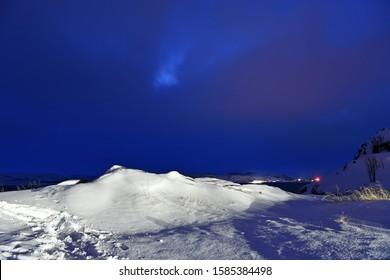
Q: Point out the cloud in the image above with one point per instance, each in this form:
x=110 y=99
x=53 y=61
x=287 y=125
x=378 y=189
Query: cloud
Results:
x=166 y=75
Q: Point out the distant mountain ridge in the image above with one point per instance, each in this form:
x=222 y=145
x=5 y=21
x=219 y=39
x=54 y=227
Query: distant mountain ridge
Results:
x=249 y=177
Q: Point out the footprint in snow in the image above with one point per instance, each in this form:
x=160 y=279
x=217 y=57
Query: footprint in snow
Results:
x=122 y=246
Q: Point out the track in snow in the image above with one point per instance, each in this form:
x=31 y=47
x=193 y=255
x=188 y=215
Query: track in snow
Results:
x=40 y=233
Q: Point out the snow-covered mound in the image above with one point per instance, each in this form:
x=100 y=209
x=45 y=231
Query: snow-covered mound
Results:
x=142 y=201
x=124 y=202
x=132 y=214
x=355 y=174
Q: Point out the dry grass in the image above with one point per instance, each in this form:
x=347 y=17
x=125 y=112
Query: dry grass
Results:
x=362 y=194
x=342 y=219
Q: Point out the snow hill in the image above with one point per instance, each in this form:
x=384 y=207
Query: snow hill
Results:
x=354 y=174
x=132 y=214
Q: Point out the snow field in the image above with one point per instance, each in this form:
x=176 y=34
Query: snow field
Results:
x=132 y=214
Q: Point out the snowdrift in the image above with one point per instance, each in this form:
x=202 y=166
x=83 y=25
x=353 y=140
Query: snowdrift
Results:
x=131 y=201
x=142 y=201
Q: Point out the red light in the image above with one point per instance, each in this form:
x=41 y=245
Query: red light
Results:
x=317 y=179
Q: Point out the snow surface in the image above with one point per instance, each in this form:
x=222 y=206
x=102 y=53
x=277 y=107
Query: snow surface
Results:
x=132 y=214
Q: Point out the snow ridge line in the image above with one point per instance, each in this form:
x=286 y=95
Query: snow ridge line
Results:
x=49 y=234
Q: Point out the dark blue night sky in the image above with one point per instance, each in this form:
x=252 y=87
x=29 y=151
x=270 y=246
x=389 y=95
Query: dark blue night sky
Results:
x=196 y=86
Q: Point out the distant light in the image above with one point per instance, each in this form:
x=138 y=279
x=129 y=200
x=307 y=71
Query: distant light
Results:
x=317 y=179
x=299 y=179
x=257 y=181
